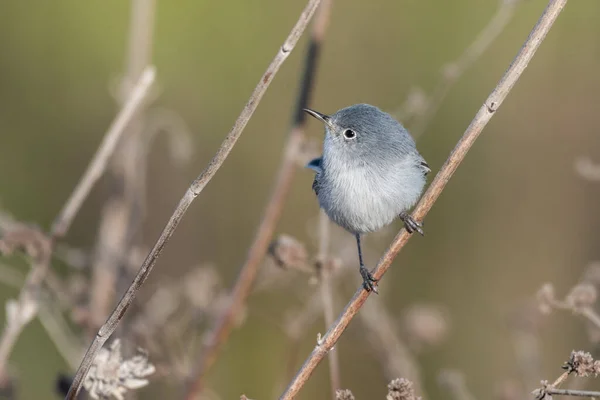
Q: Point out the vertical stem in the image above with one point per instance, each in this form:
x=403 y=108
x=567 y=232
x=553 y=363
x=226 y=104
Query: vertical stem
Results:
x=328 y=298
x=121 y=211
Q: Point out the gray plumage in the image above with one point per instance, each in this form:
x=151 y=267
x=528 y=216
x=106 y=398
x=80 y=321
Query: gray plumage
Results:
x=370 y=172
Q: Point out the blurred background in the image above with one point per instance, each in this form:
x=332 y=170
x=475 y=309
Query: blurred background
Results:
x=521 y=210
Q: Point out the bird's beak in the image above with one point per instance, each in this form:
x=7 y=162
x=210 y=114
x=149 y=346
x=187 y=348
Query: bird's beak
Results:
x=326 y=119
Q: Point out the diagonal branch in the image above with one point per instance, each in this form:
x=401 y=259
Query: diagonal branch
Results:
x=220 y=333
x=550 y=392
x=483 y=116
x=193 y=191
x=105 y=151
x=454 y=70
x=29 y=295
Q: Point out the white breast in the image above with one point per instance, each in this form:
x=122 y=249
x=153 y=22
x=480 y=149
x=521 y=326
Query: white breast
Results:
x=362 y=199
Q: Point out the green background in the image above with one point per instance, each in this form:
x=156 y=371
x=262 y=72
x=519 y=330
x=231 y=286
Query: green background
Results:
x=516 y=213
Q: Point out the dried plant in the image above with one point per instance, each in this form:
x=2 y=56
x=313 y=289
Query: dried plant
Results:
x=193 y=191
x=343 y=394
x=580 y=364
x=112 y=376
x=580 y=300
x=184 y=322
x=398 y=389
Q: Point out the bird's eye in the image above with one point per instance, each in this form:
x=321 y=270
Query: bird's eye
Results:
x=349 y=134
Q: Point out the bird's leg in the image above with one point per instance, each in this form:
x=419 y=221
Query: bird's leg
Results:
x=369 y=283
x=410 y=224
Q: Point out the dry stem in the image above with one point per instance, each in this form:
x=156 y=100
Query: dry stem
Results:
x=568 y=392
x=121 y=212
x=453 y=71
x=98 y=164
x=25 y=307
x=220 y=333
x=485 y=113
x=193 y=191
x=327 y=297
x=29 y=294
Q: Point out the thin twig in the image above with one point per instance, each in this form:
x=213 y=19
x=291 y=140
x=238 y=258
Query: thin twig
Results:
x=273 y=210
x=66 y=343
x=107 y=147
x=25 y=308
x=27 y=302
x=50 y=317
x=591 y=315
x=452 y=71
x=483 y=116
x=568 y=392
x=327 y=297
x=193 y=191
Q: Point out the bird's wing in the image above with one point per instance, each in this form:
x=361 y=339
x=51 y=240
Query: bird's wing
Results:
x=425 y=167
x=316 y=165
x=315 y=185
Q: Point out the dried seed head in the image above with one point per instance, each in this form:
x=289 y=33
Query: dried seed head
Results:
x=581 y=296
x=20 y=313
x=200 y=286
x=425 y=324
x=343 y=394
x=401 y=389
x=540 y=393
x=110 y=375
x=78 y=287
x=587 y=168
x=222 y=302
x=27 y=238
x=545 y=298
x=583 y=364
x=592 y=274
x=288 y=252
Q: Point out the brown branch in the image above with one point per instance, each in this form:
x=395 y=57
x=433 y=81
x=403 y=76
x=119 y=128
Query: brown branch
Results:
x=567 y=392
x=105 y=150
x=483 y=116
x=193 y=191
x=220 y=333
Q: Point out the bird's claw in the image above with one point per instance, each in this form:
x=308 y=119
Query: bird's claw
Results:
x=369 y=282
x=412 y=225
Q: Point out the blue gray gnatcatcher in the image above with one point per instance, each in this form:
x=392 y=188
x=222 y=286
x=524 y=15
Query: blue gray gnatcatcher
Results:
x=369 y=174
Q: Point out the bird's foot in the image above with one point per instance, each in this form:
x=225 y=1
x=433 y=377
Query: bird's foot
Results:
x=410 y=224
x=369 y=282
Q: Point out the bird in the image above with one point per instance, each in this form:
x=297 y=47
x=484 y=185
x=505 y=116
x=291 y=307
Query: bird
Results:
x=369 y=174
